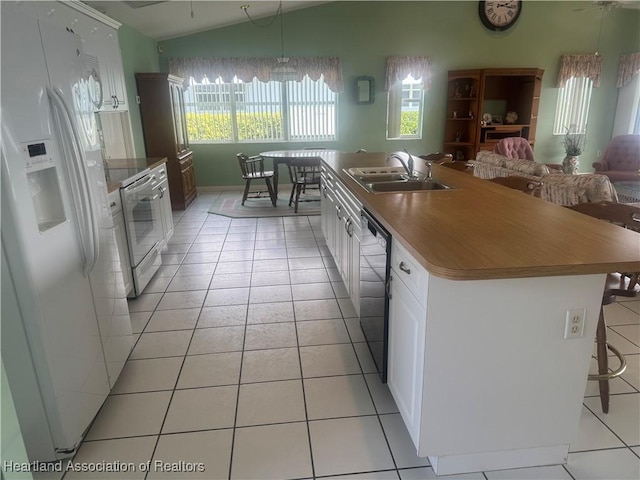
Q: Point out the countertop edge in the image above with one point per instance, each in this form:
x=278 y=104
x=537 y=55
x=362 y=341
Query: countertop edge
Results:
x=459 y=274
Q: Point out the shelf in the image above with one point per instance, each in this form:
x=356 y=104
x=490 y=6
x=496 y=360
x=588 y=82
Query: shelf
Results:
x=506 y=126
x=485 y=90
x=460 y=144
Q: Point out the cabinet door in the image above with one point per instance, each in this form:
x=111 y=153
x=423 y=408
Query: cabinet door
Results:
x=112 y=60
x=331 y=222
x=123 y=251
x=407 y=325
x=323 y=208
x=345 y=249
x=101 y=41
x=167 y=215
x=179 y=121
x=354 y=267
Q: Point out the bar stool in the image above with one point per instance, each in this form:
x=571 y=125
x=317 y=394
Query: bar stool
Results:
x=617 y=284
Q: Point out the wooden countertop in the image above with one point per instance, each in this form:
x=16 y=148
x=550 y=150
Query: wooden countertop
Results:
x=481 y=230
x=132 y=164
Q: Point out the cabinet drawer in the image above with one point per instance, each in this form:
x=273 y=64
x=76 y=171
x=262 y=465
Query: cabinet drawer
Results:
x=352 y=205
x=186 y=162
x=410 y=272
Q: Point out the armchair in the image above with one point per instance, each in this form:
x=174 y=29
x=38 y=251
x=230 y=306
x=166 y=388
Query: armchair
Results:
x=621 y=159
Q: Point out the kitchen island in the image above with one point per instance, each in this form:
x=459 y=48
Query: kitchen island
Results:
x=478 y=362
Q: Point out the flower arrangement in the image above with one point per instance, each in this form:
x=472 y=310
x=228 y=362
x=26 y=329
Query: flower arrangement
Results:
x=573 y=143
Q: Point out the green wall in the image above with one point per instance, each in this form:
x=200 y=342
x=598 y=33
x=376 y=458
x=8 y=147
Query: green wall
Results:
x=139 y=54
x=364 y=34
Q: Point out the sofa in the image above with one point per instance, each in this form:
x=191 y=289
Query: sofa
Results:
x=519 y=147
x=621 y=159
x=557 y=187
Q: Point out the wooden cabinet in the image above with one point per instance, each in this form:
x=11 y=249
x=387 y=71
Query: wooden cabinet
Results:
x=165 y=132
x=463 y=107
x=473 y=93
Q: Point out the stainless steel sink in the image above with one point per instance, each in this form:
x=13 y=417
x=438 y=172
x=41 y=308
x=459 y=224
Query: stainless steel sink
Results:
x=393 y=179
x=406 y=186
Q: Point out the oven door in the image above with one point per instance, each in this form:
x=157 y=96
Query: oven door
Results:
x=141 y=205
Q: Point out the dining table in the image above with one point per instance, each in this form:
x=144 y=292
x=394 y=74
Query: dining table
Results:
x=280 y=157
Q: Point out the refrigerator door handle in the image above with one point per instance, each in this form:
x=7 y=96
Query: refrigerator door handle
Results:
x=80 y=191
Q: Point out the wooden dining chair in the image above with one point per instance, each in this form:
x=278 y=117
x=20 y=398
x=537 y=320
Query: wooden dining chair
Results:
x=253 y=169
x=617 y=284
x=523 y=184
x=304 y=174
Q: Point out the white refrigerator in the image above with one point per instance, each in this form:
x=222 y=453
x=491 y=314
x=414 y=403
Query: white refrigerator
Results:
x=66 y=331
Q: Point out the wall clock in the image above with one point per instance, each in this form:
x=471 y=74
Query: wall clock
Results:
x=501 y=15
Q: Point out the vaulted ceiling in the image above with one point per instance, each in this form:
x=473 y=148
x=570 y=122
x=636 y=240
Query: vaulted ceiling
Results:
x=161 y=20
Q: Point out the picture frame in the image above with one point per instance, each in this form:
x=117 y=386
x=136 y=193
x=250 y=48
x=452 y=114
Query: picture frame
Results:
x=364 y=88
x=496 y=119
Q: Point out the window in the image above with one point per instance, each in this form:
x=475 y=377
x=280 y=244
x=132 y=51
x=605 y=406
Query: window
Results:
x=572 y=109
x=256 y=111
x=404 y=109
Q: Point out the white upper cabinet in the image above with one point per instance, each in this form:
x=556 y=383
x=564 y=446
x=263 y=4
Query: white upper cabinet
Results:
x=101 y=41
x=99 y=35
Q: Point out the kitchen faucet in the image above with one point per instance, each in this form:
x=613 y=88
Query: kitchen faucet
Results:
x=408 y=165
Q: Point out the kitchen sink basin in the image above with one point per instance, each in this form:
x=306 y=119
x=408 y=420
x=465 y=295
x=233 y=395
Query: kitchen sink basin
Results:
x=393 y=179
x=405 y=186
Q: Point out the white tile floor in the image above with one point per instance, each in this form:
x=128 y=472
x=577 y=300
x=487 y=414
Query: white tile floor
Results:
x=250 y=361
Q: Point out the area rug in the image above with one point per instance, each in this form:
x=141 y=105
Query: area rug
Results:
x=229 y=205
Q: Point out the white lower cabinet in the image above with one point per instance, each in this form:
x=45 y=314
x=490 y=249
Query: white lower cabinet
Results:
x=121 y=239
x=340 y=223
x=166 y=211
x=407 y=328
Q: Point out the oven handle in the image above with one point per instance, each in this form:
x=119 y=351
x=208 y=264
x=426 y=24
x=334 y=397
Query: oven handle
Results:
x=136 y=187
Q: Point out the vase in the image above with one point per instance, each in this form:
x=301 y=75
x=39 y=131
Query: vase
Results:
x=570 y=164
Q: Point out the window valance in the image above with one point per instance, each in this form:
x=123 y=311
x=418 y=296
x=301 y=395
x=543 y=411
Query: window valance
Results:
x=589 y=66
x=629 y=67
x=399 y=67
x=261 y=68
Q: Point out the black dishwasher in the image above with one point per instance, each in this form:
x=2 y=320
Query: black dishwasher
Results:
x=375 y=253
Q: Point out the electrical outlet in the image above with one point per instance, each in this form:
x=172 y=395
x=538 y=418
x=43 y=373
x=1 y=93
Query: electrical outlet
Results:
x=574 y=323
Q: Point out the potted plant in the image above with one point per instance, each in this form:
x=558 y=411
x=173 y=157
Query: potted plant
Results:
x=573 y=147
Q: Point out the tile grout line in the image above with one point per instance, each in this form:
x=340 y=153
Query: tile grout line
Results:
x=179 y=371
x=184 y=358
x=302 y=379
x=235 y=416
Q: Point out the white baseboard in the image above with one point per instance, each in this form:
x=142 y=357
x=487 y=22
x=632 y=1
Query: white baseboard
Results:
x=481 y=462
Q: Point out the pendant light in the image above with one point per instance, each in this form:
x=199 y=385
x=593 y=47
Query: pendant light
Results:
x=283 y=71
